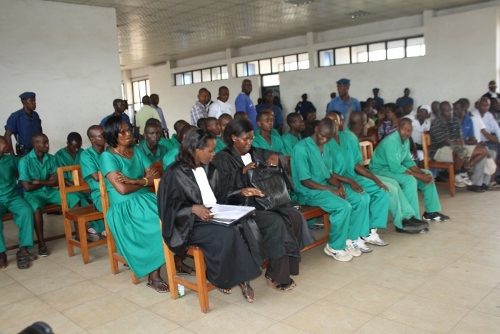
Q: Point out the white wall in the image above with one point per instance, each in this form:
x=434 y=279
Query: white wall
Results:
x=68 y=55
x=462 y=48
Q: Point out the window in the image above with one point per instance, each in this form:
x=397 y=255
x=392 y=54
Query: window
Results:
x=393 y=49
x=203 y=75
x=139 y=89
x=273 y=65
x=270 y=80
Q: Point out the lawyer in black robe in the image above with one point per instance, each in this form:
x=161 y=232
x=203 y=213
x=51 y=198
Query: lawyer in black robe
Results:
x=233 y=254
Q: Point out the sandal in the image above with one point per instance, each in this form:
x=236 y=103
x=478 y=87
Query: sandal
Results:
x=183 y=269
x=247 y=291
x=3 y=260
x=280 y=286
x=159 y=286
x=225 y=291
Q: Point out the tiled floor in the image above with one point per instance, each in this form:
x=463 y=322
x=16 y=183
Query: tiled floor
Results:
x=446 y=281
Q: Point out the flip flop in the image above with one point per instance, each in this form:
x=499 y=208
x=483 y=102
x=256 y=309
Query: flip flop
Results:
x=225 y=291
x=157 y=286
x=184 y=269
x=246 y=292
x=281 y=287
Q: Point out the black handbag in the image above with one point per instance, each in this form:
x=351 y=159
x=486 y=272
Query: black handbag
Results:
x=270 y=181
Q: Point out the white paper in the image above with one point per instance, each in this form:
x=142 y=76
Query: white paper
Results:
x=227 y=214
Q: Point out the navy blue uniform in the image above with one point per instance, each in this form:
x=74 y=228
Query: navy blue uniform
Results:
x=24 y=127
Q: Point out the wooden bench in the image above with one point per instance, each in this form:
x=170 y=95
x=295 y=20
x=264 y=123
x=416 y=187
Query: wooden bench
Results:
x=50 y=208
x=428 y=164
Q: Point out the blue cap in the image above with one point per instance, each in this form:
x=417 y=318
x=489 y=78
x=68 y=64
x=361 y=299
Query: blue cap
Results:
x=268 y=91
x=27 y=95
x=344 y=82
x=376 y=89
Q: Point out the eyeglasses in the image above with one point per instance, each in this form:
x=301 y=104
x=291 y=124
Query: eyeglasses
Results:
x=125 y=131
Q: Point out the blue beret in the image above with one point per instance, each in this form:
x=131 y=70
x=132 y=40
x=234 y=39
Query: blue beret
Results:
x=376 y=89
x=268 y=91
x=344 y=81
x=27 y=95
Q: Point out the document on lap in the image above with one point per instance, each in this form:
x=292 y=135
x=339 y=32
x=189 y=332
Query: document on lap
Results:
x=228 y=214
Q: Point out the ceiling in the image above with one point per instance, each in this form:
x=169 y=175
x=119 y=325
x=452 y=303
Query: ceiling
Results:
x=153 y=31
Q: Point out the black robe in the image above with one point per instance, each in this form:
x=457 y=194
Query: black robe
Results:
x=233 y=254
x=230 y=166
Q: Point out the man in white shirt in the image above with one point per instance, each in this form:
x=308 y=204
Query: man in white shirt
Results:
x=492 y=133
x=420 y=124
x=221 y=106
x=492 y=87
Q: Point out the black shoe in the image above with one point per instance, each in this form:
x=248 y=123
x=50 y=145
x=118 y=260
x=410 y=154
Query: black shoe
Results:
x=43 y=252
x=400 y=230
x=476 y=189
x=419 y=222
x=485 y=186
x=435 y=216
x=411 y=225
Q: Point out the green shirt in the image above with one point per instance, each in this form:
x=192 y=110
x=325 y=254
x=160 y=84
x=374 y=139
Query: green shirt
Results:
x=346 y=154
x=276 y=142
x=8 y=187
x=89 y=163
x=392 y=155
x=174 y=142
x=309 y=164
x=169 y=158
x=156 y=157
x=219 y=145
x=167 y=143
x=289 y=142
x=63 y=158
x=30 y=168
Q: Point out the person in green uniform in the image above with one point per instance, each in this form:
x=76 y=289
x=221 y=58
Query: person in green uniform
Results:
x=133 y=213
x=403 y=216
x=89 y=163
x=149 y=145
x=213 y=127
x=392 y=158
x=22 y=211
x=291 y=138
x=175 y=140
x=171 y=155
x=265 y=137
x=37 y=173
x=315 y=185
x=166 y=143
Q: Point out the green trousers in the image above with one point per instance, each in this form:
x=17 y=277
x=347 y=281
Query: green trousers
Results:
x=378 y=205
x=23 y=218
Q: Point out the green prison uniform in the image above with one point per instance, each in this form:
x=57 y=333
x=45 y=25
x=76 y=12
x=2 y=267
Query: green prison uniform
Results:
x=219 y=145
x=289 y=142
x=30 y=168
x=133 y=217
x=359 y=226
x=276 y=142
x=391 y=159
x=11 y=201
x=170 y=157
x=156 y=157
x=307 y=163
x=167 y=143
x=63 y=159
x=399 y=207
x=89 y=163
x=379 y=198
x=174 y=142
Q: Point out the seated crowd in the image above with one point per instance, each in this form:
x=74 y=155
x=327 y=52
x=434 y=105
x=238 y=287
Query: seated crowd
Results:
x=208 y=162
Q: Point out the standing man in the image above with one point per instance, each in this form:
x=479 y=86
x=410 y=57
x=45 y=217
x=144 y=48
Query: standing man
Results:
x=405 y=100
x=221 y=106
x=199 y=109
x=244 y=104
x=344 y=103
x=378 y=102
x=145 y=113
x=23 y=124
x=120 y=106
x=304 y=106
x=269 y=105
x=492 y=88
x=155 y=100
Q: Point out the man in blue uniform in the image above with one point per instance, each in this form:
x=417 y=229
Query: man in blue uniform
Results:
x=23 y=124
x=344 y=103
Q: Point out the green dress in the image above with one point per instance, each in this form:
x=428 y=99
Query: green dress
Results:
x=89 y=163
x=276 y=142
x=133 y=218
x=153 y=157
x=289 y=142
x=10 y=200
x=308 y=163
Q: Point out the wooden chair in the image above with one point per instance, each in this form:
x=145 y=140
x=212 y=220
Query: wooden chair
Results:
x=366 y=151
x=428 y=163
x=81 y=215
x=114 y=257
x=201 y=286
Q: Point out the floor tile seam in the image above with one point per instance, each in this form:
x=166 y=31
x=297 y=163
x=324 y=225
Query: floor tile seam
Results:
x=458 y=323
x=402 y=323
x=345 y=306
x=482 y=264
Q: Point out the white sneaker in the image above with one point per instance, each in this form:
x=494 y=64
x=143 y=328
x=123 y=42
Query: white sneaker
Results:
x=360 y=244
x=465 y=179
x=103 y=233
x=459 y=181
x=352 y=248
x=339 y=255
x=374 y=239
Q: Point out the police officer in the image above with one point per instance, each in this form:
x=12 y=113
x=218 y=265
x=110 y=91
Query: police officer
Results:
x=23 y=124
